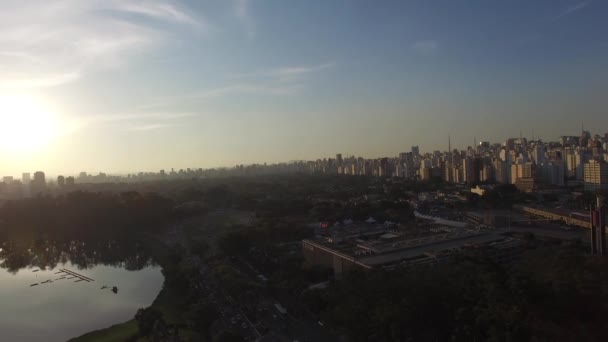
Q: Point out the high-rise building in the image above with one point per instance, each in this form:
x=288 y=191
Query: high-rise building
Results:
x=38 y=184
x=501 y=172
x=596 y=175
x=448 y=172
x=538 y=154
x=470 y=170
x=521 y=171
x=339 y=159
x=61 y=181
x=415 y=150
x=569 y=141
x=26 y=178
x=425 y=173
x=39 y=177
x=70 y=181
x=552 y=173
x=383 y=168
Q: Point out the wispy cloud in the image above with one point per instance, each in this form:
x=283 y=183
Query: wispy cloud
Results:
x=250 y=88
x=576 y=7
x=241 y=8
x=43 y=82
x=287 y=80
x=282 y=72
x=301 y=70
x=49 y=43
x=158 y=10
x=139 y=116
x=232 y=89
x=425 y=47
x=243 y=13
x=151 y=127
x=137 y=120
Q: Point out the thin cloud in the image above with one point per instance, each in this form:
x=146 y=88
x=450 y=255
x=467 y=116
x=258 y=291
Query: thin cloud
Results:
x=271 y=82
x=243 y=13
x=248 y=88
x=570 y=10
x=138 y=117
x=287 y=71
x=241 y=8
x=214 y=93
x=300 y=70
x=47 y=81
x=159 y=10
x=425 y=47
x=135 y=121
x=151 y=127
x=49 y=43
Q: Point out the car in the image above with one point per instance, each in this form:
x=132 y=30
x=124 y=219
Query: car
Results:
x=244 y=325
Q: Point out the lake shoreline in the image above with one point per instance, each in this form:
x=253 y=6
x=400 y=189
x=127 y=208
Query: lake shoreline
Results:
x=165 y=302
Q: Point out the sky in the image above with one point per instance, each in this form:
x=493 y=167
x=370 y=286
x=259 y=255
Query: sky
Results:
x=124 y=85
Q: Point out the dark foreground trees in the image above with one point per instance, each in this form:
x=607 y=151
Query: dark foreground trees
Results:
x=551 y=294
x=82 y=213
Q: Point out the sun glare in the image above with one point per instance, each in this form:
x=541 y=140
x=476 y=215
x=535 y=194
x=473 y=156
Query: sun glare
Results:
x=27 y=124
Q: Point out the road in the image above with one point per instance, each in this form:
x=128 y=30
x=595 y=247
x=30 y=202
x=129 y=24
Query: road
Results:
x=252 y=323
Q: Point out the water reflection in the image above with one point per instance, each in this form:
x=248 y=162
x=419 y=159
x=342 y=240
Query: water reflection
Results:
x=75 y=279
x=18 y=253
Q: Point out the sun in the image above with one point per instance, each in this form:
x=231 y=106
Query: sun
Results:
x=26 y=124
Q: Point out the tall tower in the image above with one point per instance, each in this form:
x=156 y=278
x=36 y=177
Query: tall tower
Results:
x=449 y=143
x=450 y=150
x=582 y=128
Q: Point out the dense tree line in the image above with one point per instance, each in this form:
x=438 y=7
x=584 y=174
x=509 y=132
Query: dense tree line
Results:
x=87 y=214
x=550 y=294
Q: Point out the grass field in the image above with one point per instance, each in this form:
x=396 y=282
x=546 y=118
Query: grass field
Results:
x=118 y=332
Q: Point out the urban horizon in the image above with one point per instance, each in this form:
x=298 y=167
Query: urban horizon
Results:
x=102 y=175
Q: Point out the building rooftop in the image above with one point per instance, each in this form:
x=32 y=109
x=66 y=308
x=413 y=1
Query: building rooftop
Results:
x=433 y=248
x=374 y=245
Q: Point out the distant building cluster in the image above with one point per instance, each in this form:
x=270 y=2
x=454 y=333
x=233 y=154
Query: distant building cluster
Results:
x=528 y=164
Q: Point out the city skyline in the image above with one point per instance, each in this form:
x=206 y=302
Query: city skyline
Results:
x=565 y=143
x=128 y=85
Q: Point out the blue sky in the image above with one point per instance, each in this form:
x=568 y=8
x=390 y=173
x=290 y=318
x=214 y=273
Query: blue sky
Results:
x=145 y=85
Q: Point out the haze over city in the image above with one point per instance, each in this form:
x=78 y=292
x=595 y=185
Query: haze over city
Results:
x=314 y=170
x=129 y=85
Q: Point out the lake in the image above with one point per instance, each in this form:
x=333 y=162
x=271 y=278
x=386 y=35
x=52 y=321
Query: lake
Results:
x=60 y=308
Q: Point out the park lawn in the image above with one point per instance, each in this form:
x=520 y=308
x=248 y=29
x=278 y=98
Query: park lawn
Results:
x=118 y=332
x=168 y=302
